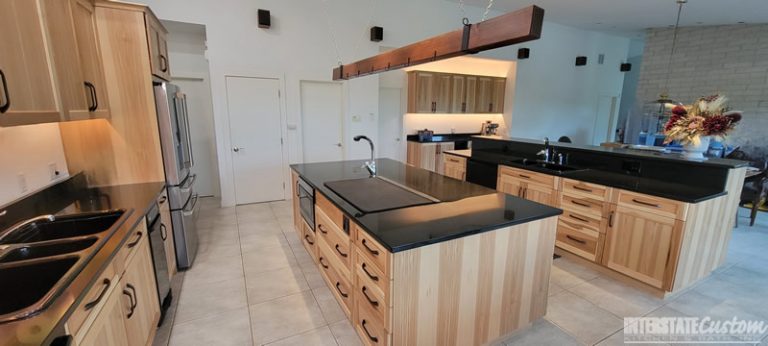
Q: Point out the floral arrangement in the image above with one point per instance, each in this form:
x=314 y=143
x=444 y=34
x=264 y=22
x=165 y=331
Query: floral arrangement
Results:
x=708 y=116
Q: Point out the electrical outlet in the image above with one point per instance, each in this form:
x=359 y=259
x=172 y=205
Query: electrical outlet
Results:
x=53 y=171
x=23 y=182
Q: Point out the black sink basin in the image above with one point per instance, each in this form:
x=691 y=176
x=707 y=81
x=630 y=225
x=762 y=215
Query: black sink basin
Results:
x=546 y=166
x=67 y=226
x=33 y=251
x=26 y=284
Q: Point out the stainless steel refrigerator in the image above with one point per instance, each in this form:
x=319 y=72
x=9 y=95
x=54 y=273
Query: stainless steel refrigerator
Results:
x=178 y=159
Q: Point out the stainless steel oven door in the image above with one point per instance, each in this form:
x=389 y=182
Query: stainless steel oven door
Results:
x=306 y=196
x=185 y=232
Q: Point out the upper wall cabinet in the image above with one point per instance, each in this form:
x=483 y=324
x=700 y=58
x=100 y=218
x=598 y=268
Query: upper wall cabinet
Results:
x=432 y=92
x=52 y=71
x=158 y=47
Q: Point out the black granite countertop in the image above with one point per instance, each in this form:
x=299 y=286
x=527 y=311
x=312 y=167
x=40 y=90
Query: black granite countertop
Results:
x=70 y=197
x=443 y=137
x=653 y=187
x=465 y=208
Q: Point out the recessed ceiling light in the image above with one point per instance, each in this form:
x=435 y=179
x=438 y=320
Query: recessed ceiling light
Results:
x=699 y=22
x=598 y=23
x=742 y=22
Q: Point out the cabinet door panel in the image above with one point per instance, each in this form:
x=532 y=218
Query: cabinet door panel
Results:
x=27 y=93
x=639 y=245
x=470 y=97
x=424 y=89
x=442 y=93
x=510 y=185
x=139 y=281
x=90 y=57
x=458 y=94
x=497 y=95
x=108 y=328
x=540 y=194
x=484 y=95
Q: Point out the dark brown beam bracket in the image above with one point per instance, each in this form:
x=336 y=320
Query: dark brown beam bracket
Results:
x=508 y=29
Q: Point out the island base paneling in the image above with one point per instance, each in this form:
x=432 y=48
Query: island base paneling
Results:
x=475 y=289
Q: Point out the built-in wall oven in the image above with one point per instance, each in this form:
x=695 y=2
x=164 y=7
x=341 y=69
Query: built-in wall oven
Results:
x=175 y=140
x=306 y=195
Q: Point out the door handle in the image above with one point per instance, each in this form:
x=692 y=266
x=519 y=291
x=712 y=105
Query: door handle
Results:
x=338 y=145
x=237 y=149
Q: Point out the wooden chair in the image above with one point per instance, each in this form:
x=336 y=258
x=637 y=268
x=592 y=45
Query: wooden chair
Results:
x=754 y=191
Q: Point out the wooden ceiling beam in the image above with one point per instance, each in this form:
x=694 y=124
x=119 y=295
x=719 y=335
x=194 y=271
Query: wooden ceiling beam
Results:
x=511 y=28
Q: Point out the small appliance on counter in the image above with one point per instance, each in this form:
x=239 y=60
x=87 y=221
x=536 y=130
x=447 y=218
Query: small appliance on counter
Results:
x=425 y=135
x=489 y=128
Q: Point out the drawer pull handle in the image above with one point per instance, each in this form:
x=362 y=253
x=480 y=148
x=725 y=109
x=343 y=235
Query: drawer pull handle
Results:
x=306 y=238
x=373 y=277
x=106 y=284
x=646 y=203
x=320 y=226
x=582 y=242
x=162 y=199
x=372 y=251
x=524 y=176
x=577 y=187
x=373 y=302
x=136 y=242
x=163 y=231
x=578 y=218
x=338 y=288
x=373 y=338
x=581 y=203
x=321 y=262
x=610 y=220
x=520 y=192
x=341 y=253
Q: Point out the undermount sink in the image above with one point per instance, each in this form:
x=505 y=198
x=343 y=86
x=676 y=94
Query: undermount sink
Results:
x=547 y=166
x=68 y=226
x=28 y=283
x=32 y=251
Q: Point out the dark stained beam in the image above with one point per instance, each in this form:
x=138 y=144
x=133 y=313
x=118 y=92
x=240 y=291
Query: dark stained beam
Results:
x=511 y=28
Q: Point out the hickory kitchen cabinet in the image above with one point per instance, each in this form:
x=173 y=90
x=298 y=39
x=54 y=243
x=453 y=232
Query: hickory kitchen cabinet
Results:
x=533 y=186
x=428 y=155
x=158 y=47
x=55 y=71
x=455 y=166
x=433 y=92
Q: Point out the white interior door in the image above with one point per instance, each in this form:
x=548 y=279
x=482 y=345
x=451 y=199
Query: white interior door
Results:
x=390 y=123
x=605 y=119
x=200 y=109
x=322 y=121
x=256 y=138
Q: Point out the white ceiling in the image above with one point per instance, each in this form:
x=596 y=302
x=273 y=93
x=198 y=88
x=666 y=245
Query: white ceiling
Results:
x=630 y=17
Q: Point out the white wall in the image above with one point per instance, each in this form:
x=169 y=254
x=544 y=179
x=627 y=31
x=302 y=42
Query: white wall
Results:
x=554 y=97
x=299 y=47
x=29 y=150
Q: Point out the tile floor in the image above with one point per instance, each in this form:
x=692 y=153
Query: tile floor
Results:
x=253 y=283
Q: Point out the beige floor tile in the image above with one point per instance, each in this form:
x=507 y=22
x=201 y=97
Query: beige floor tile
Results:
x=198 y=301
x=566 y=273
x=266 y=259
x=317 y=337
x=328 y=305
x=554 y=288
x=300 y=252
x=582 y=319
x=274 y=284
x=284 y=317
x=212 y=250
x=228 y=328
x=345 y=334
x=255 y=241
x=248 y=227
x=542 y=332
x=213 y=269
x=616 y=297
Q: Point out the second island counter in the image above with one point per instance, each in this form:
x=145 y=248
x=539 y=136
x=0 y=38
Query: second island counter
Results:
x=414 y=257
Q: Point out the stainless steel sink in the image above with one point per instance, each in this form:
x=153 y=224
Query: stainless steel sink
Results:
x=41 y=256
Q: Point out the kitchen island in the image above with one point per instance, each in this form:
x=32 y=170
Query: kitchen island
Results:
x=463 y=264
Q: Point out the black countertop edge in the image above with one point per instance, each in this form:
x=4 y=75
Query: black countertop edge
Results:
x=673 y=191
x=444 y=137
x=368 y=222
x=627 y=153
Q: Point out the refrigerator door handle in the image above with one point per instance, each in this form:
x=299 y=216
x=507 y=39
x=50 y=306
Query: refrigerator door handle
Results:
x=189 y=134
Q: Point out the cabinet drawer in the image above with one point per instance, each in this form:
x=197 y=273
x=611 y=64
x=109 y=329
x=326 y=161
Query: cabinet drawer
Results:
x=370 y=293
x=330 y=210
x=657 y=205
x=370 y=275
x=580 y=188
x=582 y=204
x=370 y=329
x=93 y=300
x=585 y=243
x=308 y=239
x=372 y=251
x=335 y=238
x=455 y=159
x=583 y=221
x=136 y=237
x=528 y=176
x=337 y=283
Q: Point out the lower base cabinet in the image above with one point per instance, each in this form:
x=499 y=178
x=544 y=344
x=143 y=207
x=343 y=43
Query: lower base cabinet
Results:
x=108 y=327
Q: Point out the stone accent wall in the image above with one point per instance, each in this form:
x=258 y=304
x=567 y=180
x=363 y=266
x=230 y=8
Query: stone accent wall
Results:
x=727 y=59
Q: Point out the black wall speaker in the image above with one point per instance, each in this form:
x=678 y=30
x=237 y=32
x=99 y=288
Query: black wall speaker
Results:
x=265 y=20
x=377 y=33
x=581 y=60
x=523 y=53
x=625 y=67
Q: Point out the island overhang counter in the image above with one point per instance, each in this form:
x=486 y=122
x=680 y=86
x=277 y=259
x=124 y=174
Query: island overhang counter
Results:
x=469 y=266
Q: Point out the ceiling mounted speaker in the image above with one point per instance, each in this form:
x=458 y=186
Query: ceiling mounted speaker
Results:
x=625 y=67
x=265 y=19
x=523 y=53
x=377 y=33
x=581 y=60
